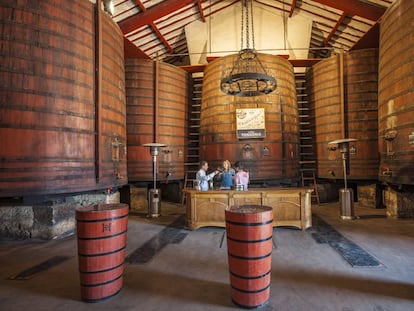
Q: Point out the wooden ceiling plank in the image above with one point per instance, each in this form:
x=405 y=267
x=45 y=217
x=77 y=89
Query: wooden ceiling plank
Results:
x=200 y=9
x=369 y=40
x=140 y=5
x=356 y=7
x=132 y=51
x=292 y=8
x=306 y=62
x=333 y=31
x=212 y=12
x=156 y=12
x=161 y=37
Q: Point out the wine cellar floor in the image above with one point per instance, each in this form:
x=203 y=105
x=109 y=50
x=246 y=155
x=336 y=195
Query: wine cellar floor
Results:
x=168 y=267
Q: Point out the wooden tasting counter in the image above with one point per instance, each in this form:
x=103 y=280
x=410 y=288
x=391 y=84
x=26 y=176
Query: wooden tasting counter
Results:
x=291 y=206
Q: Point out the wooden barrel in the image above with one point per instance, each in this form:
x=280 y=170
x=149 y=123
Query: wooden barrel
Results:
x=157 y=103
x=274 y=156
x=357 y=119
x=102 y=234
x=249 y=243
x=396 y=94
x=48 y=110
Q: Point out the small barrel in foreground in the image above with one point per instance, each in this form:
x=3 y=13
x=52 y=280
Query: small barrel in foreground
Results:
x=249 y=245
x=102 y=233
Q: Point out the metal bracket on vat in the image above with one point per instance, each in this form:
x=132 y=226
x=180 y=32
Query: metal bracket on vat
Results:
x=115 y=149
x=389 y=137
x=387 y=172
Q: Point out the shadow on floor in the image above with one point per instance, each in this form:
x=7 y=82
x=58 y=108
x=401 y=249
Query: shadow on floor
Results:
x=149 y=282
x=348 y=282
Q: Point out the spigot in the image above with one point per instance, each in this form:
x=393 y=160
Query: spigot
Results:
x=387 y=172
x=390 y=135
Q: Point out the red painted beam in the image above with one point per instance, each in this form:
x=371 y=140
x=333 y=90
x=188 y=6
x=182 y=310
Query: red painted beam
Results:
x=132 y=51
x=369 y=40
x=338 y=23
x=140 y=5
x=156 y=12
x=194 y=68
x=200 y=9
x=305 y=62
x=356 y=7
x=292 y=8
x=161 y=37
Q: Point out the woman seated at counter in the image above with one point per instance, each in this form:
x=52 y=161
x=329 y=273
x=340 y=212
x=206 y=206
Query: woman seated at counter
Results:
x=226 y=176
x=202 y=177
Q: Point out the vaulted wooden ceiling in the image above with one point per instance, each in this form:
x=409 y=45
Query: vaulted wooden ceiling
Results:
x=155 y=28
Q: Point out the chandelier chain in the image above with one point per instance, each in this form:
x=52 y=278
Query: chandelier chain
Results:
x=242 y=25
x=247 y=76
x=247 y=24
x=251 y=9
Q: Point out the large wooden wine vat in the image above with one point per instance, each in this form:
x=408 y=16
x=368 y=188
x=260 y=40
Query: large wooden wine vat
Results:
x=396 y=94
x=62 y=119
x=344 y=104
x=274 y=156
x=157 y=104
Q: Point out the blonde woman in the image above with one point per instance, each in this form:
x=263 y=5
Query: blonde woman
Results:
x=226 y=177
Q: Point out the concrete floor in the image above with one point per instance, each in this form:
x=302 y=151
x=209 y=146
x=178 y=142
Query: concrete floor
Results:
x=193 y=274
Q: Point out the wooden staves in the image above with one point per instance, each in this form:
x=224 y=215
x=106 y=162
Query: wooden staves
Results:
x=102 y=235
x=249 y=245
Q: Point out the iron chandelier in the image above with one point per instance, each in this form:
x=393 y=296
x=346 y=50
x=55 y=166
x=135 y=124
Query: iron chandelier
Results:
x=248 y=76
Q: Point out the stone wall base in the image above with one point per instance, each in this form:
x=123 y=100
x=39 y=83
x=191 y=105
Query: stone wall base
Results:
x=139 y=201
x=328 y=192
x=399 y=204
x=49 y=220
x=370 y=195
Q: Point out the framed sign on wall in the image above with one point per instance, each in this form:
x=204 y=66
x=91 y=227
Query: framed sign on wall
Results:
x=250 y=123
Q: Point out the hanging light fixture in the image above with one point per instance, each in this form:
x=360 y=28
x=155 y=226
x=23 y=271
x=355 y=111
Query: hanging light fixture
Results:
x=248 y=76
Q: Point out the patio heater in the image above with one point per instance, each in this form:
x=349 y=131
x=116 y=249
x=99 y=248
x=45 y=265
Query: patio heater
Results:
x=154 y=194
x=346 y=195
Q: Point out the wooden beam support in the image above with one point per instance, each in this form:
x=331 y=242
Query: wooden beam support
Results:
x=132 y=51
x=161 y=37
x=356 y=7
x=306 y=62
x=156 y=12
x=338 y=23
x=369 y=40
x=140 y=5
x=200 y=9
x=292 y=8
x=194 y=68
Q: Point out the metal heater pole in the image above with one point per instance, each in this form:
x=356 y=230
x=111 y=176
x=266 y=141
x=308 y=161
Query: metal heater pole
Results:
x=344 y=166
x=154 y=172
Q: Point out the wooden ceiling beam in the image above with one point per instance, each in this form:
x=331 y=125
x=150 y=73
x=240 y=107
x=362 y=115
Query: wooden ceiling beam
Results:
x=156 y=12
x=292 y=8
x=200 y=9
x=140 y=5
x=132 y=51
x=306 y=62
x=356 y=7
x=161 y=37
x=333 y=31
x=369 y=40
